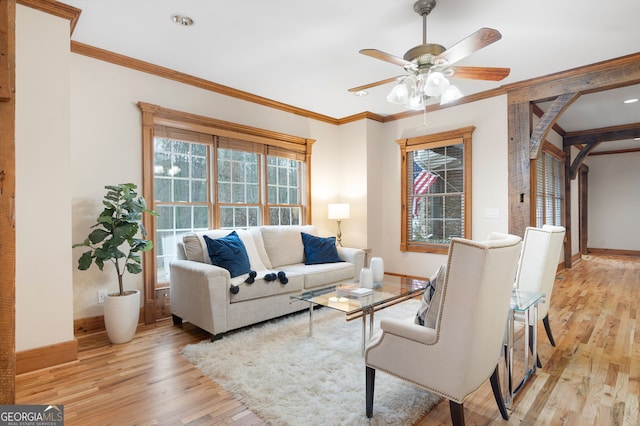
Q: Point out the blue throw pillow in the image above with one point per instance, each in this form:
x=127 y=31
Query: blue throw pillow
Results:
x=229 y=253
x=319 y=250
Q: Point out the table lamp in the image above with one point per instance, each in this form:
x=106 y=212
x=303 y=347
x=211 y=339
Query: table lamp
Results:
x=337 y=212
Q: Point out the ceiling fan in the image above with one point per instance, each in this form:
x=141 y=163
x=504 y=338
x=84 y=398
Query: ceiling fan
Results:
x=429 y=65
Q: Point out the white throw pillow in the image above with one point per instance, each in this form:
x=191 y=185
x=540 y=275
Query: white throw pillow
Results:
x=252 y=251
x=428 y=311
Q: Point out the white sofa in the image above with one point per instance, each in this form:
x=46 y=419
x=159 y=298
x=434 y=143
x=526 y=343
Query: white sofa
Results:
x=201 y=293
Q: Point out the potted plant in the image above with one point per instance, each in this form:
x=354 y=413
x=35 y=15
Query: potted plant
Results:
x=114 y=238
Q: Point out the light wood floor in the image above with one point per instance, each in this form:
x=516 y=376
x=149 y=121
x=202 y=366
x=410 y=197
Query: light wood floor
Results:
x=592 y=376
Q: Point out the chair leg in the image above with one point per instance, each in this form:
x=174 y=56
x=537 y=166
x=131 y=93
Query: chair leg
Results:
x=457 y=413
x=497 y=394
x=538 y=363
x=547 y=328
x=370 y=380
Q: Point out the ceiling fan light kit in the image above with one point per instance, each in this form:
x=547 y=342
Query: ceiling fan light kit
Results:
x=429 y=65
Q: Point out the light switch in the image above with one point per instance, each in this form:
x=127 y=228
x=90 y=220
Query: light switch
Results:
x=491 y=212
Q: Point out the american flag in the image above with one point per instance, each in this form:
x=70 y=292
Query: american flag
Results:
x=422 y=181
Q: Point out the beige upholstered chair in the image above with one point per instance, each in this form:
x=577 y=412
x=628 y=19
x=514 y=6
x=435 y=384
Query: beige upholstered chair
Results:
x=538 y=265
x=462 y=350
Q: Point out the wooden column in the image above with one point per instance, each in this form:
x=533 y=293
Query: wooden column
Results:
x=7 y=203
x=519 y=128
x=567 y=208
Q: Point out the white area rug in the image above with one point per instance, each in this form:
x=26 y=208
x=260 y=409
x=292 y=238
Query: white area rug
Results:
x=289 y=378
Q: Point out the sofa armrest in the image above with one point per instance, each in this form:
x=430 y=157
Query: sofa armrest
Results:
x=355 y=256
x=200 y=294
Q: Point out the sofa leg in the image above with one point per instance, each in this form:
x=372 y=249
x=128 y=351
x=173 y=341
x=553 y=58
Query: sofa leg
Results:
x=457 y=413
x=176 y=319
x=370 y=380
x=214 y=337
x=497 y=394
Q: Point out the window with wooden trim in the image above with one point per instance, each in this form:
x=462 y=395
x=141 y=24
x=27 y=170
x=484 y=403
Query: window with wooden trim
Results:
x=549 y=186
x=436 y=190
x=205 y=177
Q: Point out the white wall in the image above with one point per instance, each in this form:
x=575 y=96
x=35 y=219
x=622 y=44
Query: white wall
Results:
x=44 y=299
x=106 y=149
x=614 y=201
x=489 y=178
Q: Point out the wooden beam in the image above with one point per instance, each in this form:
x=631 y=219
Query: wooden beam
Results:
x=604 y=134
x=567 y=249
x=547 y=121
x=7 y=211
x=519 y=130
x=619 y=72
x=577 y=162
x=5 y=71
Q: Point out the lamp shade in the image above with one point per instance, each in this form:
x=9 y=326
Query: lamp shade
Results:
x=339 y=211
x=436 y=84
x=450 y=94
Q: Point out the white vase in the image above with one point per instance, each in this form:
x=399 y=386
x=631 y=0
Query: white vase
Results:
x=121 y=315
x=366 y=278
x=377 y=269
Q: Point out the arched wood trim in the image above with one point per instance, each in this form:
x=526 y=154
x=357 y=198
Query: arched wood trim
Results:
x=577 y=162
x=546 y=123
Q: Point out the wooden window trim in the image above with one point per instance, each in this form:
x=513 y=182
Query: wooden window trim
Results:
x=462 y=135
x=154 y=115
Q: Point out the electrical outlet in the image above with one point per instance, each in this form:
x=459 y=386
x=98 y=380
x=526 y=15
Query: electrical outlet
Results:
x=102 y=293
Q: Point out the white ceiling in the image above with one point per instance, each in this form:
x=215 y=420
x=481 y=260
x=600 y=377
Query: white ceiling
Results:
x=305 y=54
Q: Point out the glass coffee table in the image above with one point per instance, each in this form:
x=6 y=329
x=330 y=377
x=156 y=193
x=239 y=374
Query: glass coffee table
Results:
x=392 y=290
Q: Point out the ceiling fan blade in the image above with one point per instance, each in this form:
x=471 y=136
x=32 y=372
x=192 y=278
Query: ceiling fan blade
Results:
x=377 y=83
x=379 y=54
x=479 y=73
x=476 y=41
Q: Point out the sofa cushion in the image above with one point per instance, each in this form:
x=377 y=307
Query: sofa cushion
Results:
x=324 y=274
x=319 y=250
x=283 y=244
x=229 y=253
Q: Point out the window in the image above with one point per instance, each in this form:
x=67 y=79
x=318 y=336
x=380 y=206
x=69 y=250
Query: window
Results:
x=549 y=186
x=205 y=176
x=435 y=187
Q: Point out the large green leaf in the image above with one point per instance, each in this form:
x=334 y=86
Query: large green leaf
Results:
x=85 y=261
x=98 y=235
x=134 y=268
x=125 y=230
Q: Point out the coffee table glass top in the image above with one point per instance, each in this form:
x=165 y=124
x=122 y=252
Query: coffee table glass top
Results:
x=393 y=288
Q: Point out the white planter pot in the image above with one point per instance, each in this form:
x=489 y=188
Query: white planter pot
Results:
x=121 y=315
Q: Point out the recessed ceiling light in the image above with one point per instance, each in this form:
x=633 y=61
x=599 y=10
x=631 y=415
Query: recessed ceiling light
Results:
x=361 y=93
x=631 y=101
x=182 y=20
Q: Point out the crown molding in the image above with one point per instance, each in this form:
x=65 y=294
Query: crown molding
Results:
x=128 y=62
x=55 y=8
